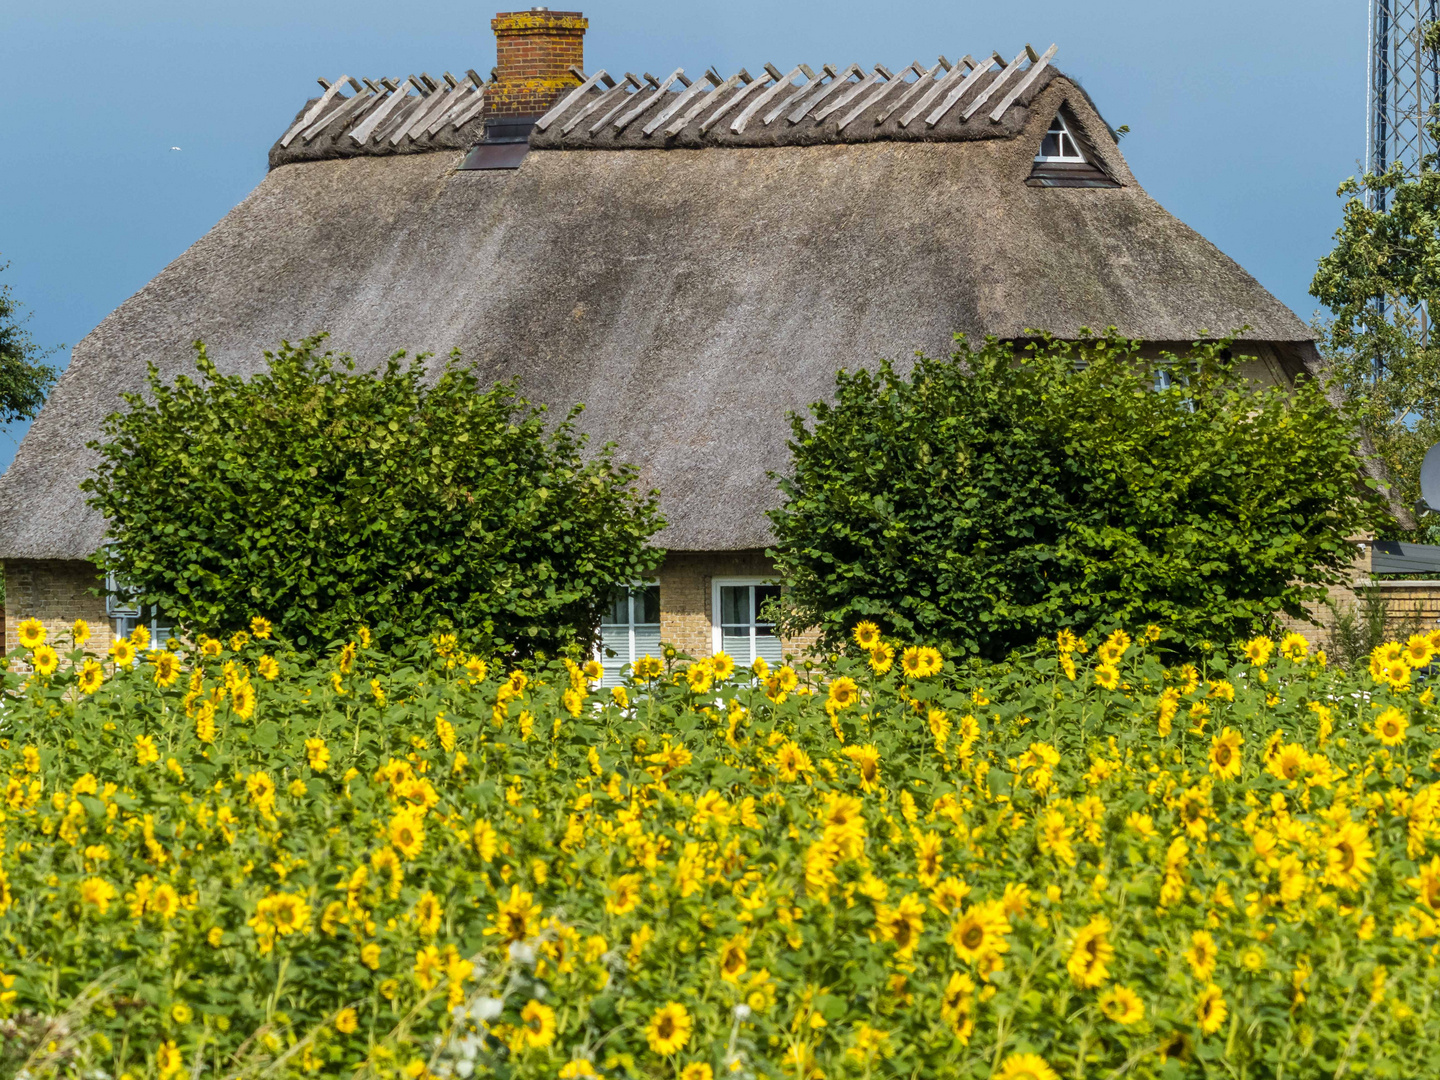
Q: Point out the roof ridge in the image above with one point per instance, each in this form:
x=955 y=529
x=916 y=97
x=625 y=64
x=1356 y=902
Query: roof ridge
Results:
x=962 y=101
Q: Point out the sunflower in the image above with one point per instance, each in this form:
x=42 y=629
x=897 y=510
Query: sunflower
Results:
x=580 y=1067
x=980 y=931
x=1396 y=675
x=723 y=665
x=46 y=660
x=80 y=632
x=867 y=635
x=843 y=693
x=289 y=913
x=1252 y=959
x=930 y=661
x=346 y=1021
x=1419 y=651
x=243 y=700
x=31 y=634
x=123 y=652
x=733 y=959
x=516 y=918
x=167 y=668
x=882 y=658
x=407 y=833
x=1289 y=762
x=1390 y=727
x=868 y=759
x=146 y=751
x=92 y=675
x=1294 y=647
x=697 y=1070
x=1225 y=754
x=624 y=895
x=1026 y=1067
x=1210 y=1009
x=1258 y=650
x=901 y=924
x=428 y=913
x=1427 y=884
x=97 y=891
x=211 y=647
x=957 y=1005
x=1091 y=953
x=669 y=1029
x=1348 y=852
x=164 y=901
x=1202 y=954
x=169 y=1060
x=537 y=1025
x=647 y=668
x=791 y=761
x=1107 y=676
x=1122 y=1005
x=910 y=662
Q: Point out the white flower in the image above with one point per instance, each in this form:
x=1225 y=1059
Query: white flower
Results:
x=742 y=1012
x=522 y=953
x=487 y=1008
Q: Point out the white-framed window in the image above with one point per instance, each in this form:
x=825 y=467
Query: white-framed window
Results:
x=126 y=613
x=1059 y=143
x=737 y=607
x=629 y=629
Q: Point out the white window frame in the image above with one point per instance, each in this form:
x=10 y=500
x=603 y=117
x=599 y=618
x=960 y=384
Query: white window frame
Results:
x=612 y=672
x=1064 y=129
x=121 y=608
x=717 y=631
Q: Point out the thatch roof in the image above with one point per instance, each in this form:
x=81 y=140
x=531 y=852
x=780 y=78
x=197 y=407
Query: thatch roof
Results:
x=688 y=296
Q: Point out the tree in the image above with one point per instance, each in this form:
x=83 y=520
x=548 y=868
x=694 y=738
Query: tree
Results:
x=1381 y=283
x=322 y=498
x=1003 y=494
x=24 y=380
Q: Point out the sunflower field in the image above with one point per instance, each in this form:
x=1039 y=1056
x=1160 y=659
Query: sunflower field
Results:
x=232 y=861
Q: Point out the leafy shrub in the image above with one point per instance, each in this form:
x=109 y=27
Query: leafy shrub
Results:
x=321 y=498
x=1002 y=495
x=376 y=867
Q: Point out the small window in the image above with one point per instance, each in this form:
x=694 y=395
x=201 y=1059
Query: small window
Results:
x=740 y=627
x=126 y=613
x=629 y=629
x=1059 y=143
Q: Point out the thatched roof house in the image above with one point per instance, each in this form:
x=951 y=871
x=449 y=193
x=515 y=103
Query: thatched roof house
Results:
x=689 y=258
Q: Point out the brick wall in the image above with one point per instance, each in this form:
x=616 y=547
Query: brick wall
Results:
x=534 y=53
x=57 y=592
x=686 y=596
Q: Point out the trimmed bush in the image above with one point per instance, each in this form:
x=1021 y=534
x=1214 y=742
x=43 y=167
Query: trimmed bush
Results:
x=1001 y=494
x=321 y=498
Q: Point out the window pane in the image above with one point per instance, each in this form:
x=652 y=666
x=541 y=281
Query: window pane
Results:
x=1050 y=145
x=770 y=648
x=763 y=595
x=647 y=604
x=737 y=646
x=735 y=605
x=618 y=614
x=616 y=640
x=647 y=641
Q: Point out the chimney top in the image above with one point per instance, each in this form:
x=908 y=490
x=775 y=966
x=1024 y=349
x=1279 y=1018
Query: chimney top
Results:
x=535 y=51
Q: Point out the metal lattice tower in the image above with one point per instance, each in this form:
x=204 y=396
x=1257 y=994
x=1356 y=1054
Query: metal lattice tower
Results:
x=1403 y=87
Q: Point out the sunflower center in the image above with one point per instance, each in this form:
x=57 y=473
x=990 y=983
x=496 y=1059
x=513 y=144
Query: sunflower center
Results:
x=972 y=937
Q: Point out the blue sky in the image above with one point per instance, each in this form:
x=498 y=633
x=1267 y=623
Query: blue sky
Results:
x=1245 y=114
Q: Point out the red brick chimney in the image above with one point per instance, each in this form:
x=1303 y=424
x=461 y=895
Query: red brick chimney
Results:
x=535 y=50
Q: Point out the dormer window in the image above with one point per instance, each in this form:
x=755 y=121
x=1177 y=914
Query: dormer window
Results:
x=1059 y=143
x=1067 y=158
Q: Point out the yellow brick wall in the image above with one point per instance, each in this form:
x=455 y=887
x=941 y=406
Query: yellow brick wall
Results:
x=57 y=592
x=686 y=596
